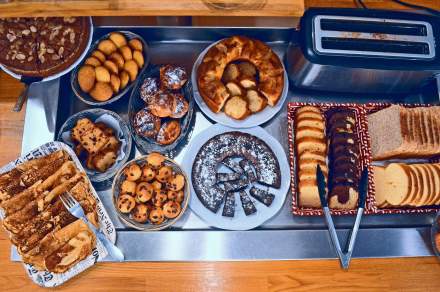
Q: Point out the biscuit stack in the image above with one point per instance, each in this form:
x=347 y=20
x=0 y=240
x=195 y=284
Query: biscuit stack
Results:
x=311 y=151
x=110 y=67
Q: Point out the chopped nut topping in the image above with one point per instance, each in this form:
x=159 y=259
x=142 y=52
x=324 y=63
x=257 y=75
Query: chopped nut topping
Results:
x=50 y=51
x=20 y=56
x=26 y=32
x=33 y=28
x=11 y=37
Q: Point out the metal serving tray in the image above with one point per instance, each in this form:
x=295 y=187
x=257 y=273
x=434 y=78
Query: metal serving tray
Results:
x=283 y=237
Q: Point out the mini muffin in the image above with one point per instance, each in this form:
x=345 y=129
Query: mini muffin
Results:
x=102 y=74
x=126 y=52
x=111 y=66
x=160 y=198
x=155 y=160
x=148 y=174
x=171 y=209
x=180 y=196
x=146 y=124
x=169 y=132
x=133 y=172
x=117 y=59
x=92 y=61
x=176 y=183
x=126 y=203
x=144 y=192
x=98 y=55
x=140 y=213
x=132 y=69
x=86 y=78
x=125 y=78
x=156 y=185
x=138 y=57
x=156 y=216
x=162 y=105
x=115 y=83
x=128 y=187
x=164 y=173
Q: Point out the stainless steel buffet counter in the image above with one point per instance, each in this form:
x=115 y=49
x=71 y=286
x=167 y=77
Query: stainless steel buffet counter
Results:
x=283 y=237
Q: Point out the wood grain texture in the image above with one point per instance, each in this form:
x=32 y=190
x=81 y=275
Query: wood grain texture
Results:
x=373 y=4
x=153 y=7
x=411 y=274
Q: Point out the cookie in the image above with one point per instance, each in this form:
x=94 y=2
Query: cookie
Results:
x=126 y=53
x=98 y=55
x=133 y=172
x=118 y=39
x=156 y=216
x=117 y=59
x=138 y=57
x=101 y=91
x=115 y=83
x=125 y=78
x=168 y=133
x=144 y=192
x=126 y=203
x=171 y=209
x=111 y=67
x=136 y=44
x=164 y=173
x=86 y=78
x=107 y=47
x=140 y=213
x=102 y=74
x=132 y=69
x=128 y=188
x=92 y=61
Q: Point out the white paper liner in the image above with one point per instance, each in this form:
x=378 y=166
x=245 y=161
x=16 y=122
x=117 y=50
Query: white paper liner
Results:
x=46 y=278
x=240 y=221
x=112 y=123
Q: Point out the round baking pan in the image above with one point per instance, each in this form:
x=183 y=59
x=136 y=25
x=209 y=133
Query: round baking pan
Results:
x=146 y=145
x=125 y=218
x=94 y=114
x=254 y=119
x=85 y=97
x=29 y=80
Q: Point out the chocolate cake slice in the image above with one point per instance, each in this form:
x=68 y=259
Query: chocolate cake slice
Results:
x=226 y=177
x=229 y=207
x=236 y=185
x=232 y=164
x=262 y=196
x=246 y=203
x=248 y=168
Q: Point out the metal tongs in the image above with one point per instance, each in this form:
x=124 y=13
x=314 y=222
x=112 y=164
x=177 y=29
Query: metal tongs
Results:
x=344 y=257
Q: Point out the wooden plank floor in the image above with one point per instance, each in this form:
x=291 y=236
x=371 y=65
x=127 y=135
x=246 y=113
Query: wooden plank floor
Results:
x=411 y=274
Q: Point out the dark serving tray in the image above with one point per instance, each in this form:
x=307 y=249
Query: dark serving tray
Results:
x=283 y=237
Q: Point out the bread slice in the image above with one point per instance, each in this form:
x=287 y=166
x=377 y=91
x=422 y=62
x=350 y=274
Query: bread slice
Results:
x=421 y=200
x=231 y=73
x=414 y=186
x=436 y=200
x=308 y=194
x=310 y=173
x=311 y=164
x=319 y=156
x=386 y=133
x=237 y=108
x=432 y=193
x=428 y=129
x=353 y=195
x=380 y=185
x=398 y=184
x=421 y=187
x=309 y=114
x=256 y=101
x=435 y=188
x=308 y=109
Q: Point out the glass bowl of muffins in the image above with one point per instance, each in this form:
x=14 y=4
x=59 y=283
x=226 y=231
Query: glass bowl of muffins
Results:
x=161 y=110
x=111 y=68
x=150 y=192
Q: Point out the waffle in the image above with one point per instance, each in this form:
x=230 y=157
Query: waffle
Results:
x=45 y=233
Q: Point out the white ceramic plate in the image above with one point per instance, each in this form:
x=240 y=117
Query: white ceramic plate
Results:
x=240 y=221
x=251 y=121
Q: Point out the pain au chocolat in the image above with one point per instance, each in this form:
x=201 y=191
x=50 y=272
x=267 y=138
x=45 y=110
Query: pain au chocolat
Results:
x=270 y=72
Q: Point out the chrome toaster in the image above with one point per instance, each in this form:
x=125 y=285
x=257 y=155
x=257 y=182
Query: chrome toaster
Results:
x=364 y=51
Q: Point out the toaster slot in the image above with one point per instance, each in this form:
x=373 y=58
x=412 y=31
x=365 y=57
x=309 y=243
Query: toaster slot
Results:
x=394 y=28
x=367 y=45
